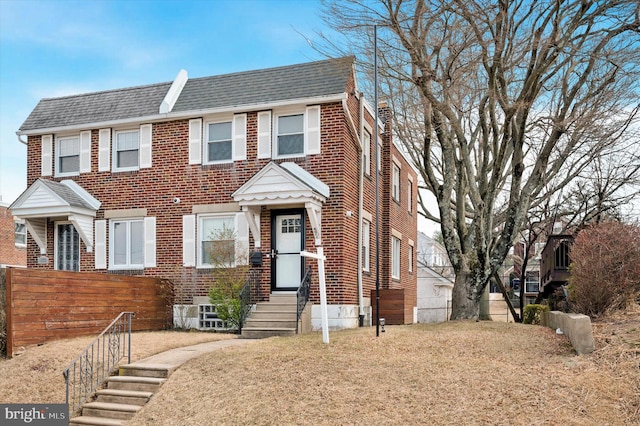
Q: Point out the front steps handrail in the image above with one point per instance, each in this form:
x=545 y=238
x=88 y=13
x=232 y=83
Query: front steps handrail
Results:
x=89 y=369
x=248 y=296
x=303 y=295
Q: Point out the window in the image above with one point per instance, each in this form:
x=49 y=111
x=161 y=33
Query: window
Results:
x=366 y=238
x=379 y=154
x=67 y=156
x=532 y=282
x=395 y=188
x=410 y=258
x=20 y=234
x=366 y=152
x=219 y=142
x=410 y=196
x=67 y=248
x=395 y=257
x=126 y=248
x=126 y=150
x=290 y=135
x=216 y=236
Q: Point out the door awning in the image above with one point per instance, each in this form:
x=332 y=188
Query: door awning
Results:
x=65 y=200
x=282 y=185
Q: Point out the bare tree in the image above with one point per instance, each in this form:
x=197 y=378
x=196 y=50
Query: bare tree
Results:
x=500 y=105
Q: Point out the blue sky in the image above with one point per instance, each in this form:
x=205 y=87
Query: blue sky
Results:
x=51 y=48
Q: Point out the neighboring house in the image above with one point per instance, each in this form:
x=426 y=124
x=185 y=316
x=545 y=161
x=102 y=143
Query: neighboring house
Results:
x=435 y=281
x=138 y=181
x=13 y=239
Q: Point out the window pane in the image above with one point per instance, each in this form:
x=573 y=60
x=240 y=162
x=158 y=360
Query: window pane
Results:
x=127 y=141
x=290 y=124
x=120 y=243
x=137 y=243
x=69 y=164
x=219 y=151
x=20 y=233
x=218 y=241
x=290 y=144
x=220 y=131
x=128 y=158
x=69 y=147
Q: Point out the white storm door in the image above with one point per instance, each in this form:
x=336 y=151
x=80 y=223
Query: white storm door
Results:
x=288 y=244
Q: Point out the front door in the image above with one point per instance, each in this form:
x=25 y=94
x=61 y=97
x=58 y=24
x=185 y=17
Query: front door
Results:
x=287 y=240
x=67 y=248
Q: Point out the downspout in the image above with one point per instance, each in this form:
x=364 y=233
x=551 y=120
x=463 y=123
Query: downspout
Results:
x=20 y=140
x=358 y=133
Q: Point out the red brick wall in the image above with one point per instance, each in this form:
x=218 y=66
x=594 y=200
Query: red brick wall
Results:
x=9 y=253
x=172 y=176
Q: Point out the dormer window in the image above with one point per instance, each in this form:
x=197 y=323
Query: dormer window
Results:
x=290 y=135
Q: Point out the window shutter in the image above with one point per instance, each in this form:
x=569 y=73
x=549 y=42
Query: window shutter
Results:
x=189 y=240
x=312 y=134
x=240 y=137
x=150 y=242
x=47 y=155
x=195 y=141
x=100 y=247
x=145 y=145
x=104 y=149
x=264 y=134
x=85 y=152
x=242 y=239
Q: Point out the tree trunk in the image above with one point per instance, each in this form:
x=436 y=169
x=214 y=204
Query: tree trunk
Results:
x=465 y=304
x=485 y=305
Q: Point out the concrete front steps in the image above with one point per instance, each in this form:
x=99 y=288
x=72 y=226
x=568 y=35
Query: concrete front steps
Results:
x=277 y=317
x=123 y=396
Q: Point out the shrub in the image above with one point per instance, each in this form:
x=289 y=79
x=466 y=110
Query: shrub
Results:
x=605 y=268
x=533 y=313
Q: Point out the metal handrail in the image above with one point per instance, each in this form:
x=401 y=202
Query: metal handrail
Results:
x=247 y=298
x=89 y=369
x=303 y=295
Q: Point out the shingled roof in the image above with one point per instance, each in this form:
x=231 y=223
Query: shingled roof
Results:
x=250 y=88
x=96 y=107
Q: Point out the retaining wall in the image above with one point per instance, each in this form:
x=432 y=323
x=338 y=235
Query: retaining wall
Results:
x=576 y=327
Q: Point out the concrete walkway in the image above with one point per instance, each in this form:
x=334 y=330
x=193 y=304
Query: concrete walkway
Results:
x=174 y=358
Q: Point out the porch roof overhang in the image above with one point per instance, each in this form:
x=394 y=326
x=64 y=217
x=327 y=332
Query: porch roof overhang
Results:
x=49 y=199
x=282 y=185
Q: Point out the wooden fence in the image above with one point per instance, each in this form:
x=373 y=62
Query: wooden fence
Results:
x=45 y=305
x=394 y=306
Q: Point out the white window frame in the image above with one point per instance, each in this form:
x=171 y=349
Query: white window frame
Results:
x=395 y=257
x=58 y=150
x=128 y=265
x=411 y=256
x=22 y=233
x=395 y=182
x=366 y=245
x=410 y=195
x=379 y=154
x=276 y=132
x=205 y=145
x=366 y=151
x=200 y=237
x=115 y=150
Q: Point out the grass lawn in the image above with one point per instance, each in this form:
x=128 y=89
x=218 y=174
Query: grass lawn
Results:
x=471 y=373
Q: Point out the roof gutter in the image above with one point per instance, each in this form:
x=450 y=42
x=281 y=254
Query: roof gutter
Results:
x=18 y=134
x=187 y=114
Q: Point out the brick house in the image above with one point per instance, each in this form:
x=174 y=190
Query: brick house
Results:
x=138 y=181
x=13 y=235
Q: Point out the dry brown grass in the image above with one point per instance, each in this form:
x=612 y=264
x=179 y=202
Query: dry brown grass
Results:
x=35 y=376
x=455 y=373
